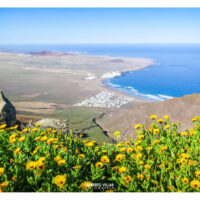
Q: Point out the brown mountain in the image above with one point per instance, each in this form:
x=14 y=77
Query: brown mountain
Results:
x=179 y=109
x=51 y=53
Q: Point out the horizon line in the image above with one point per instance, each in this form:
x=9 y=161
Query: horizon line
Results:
x=98 y=43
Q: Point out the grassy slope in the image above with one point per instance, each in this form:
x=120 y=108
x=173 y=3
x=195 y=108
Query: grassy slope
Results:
x=81 y=121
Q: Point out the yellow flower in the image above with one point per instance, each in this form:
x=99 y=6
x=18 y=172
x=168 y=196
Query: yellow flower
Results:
x=43 y=138
x=163 y=148
x=141 y=162
x=99 y=164
x=127 y=178
x=197 y=173
x=86 y=185
x=17 y=151
x=149 y=148
x=30 y=165
x=140 y=137
x=105 y=159
x=40 y=165
x=42 y=159
x=1 y=171
x=34 y=130
x=21 y=139
x=3 y=126
x=156 y=131
x=38 y=124
x=147 y=166
x=25 y=130
x=114 y=168
x=157 y=141
x=104 y=151
x=117 y=133
x=193 y=132
x=166 y=117
x=153 y=117
x=14 y=127
x=118 y=145
x=140 y=177
x=195 y=119
x=138 y=156
x=167 y=126
x=185 y=180
x=195 y=184
x=183 y=161
x=122 y=169
x=137 y=126
x=184 y=134
x=11 y=160
x=35 y=151
x=185 y=155
x=13 y=140
x=14 y=135
x=76 y=167
x=119 y=157
x=61 y=162
x=123 y=149
x=57 y=158
x=50 y=141
x=49 y=129
x=81 y=155
x=4 y=184
x=109 y=191
x=14 y=178
x=89 y=144
x=160 y=121
x=129 y=150
x=37 y=138
x=54 y=131
x=191 y=162
x=139 y=148
x=60 y=180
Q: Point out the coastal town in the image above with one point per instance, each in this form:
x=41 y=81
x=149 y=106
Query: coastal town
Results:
x=105 y=99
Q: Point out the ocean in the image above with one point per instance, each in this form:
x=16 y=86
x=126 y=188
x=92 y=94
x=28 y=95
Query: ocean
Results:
x=176 y=72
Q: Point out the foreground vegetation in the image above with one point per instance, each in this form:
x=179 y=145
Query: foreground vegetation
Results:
x=160 y=159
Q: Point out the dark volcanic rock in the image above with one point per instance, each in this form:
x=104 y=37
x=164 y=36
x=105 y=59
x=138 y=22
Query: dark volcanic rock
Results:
x=7 y=111
x=51 y=53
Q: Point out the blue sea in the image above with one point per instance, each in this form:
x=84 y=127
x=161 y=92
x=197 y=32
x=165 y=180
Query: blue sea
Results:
x=176 y=72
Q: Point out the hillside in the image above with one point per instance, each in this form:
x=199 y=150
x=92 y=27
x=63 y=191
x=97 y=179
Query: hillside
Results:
x=179 y=109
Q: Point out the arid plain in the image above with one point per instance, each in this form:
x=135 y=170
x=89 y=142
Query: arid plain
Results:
x=50 y=84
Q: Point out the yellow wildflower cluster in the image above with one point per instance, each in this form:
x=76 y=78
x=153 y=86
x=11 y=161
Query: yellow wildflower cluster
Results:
x=160 y=159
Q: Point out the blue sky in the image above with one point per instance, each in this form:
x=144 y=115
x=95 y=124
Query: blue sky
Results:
x=99 y=25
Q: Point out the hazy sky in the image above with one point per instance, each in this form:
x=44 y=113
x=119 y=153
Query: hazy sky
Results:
x=99 y=25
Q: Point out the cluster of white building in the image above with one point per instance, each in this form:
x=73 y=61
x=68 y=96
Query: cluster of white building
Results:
x=104 y=76
x=104 y=99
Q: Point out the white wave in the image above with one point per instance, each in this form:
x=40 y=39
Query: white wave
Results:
x=152 y=97
x=165 y=96
x=111 y=74
x=133 y=91
x=113 y=85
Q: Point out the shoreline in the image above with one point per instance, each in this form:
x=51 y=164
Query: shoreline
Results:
x=78 y=76
x=130 y=89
